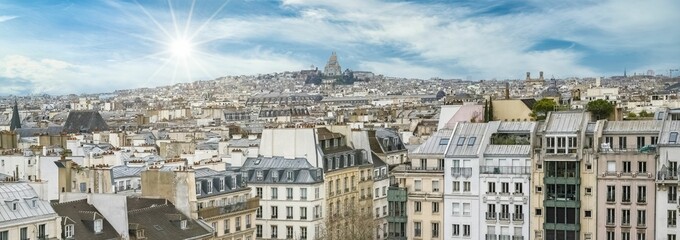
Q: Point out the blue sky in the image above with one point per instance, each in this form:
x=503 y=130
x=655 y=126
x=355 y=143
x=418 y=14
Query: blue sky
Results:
x=60 y=47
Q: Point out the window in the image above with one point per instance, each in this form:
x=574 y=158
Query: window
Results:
x=417 y=228
x=258 y=213
x=4 y=235
x=466 y=209
x=456 y=230
x=673 y=138
x=466 y=230
x=289 y=193
x=183 y=224
x=539 y=212
x=672 y=216
x=640 y=142
x=289 y=212
x=418 y=185
x=237 y=223
x=491 y=187
x=444 y=141
x=505 y=187
x=275 y=231
x=258 y=191
x=641 y=236
x=98 y=225
x=68 y=232
x=248 y=221
x=461 y=141
x=435 y=230
x=435 y=207
x=456 y=208
x=303 y=232
x=622 y=142
x=377 y=192
x=625 y=217
x=539 y=189
x=417 y=206
x=227 y=226
x=626 y=194
x=588 y=213
x=671 y=237
x=435 y=185
x=456 y=186
x=611 y=235
x=611 y=216
x=611 y=193
x=642 y=167
x=303 y=213
x=625 y=235
x=471 y=142
x=518 y=187
x=317 y=193
x=641 y=217
x=626 y=167
x=275 y=212
x=258 y=231
x=289 y=232
x=642 y=194
x=672 y=194
x=275 y=193
x=611 y=166
x=589 y=191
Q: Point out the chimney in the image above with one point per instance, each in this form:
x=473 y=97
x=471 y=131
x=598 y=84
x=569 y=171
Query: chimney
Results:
x=507 y=90
x=540 y=75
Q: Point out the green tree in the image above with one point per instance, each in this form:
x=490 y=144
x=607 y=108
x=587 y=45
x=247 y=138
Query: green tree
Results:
x=490 y=110
x=645 y=114
x=632 y=115
x=601 y=109
x=542 y=107
x=486 y=111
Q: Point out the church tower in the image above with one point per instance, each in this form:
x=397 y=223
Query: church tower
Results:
x=332 y=67
x=15 y=122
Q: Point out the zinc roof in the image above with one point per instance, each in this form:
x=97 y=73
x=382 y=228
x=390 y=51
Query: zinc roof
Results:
x=467 y=131
x=23 y=195
x=508 y=150
x=435 y=144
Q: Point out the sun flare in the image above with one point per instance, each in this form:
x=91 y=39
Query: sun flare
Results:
x=180 y=48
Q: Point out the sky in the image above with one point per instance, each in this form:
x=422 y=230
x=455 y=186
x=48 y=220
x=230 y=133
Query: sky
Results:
x=94 y=46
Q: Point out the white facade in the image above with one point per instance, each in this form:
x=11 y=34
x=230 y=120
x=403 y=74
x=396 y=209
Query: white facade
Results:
x=461 y=204
x=25 y=215
x=380 y=185
x=283 y=211
x=667 y=181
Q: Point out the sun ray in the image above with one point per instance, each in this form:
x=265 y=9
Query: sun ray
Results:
x=167 y=34
x=174 y=20
x=165 y=63
x=188 y=23
x=208 y=21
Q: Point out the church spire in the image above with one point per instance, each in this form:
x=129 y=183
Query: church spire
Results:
x=16 y=121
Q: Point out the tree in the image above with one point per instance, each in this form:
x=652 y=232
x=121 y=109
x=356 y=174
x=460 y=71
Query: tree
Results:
x=542 y=108
x=353 y=223
x=486 y=111
x=644 y=114
x=490 y=110
x=600 y=108
x=632 y=115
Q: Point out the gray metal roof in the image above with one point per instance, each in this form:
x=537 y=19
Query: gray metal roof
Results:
x=467 y=131
x=126 y=171
x=508 y=150
x=276 y=162
x=276 y=170
x=517 y=126
x=436 y=144
x=243 y=142
x=23 y=195
x=668 y=128
x=590 y=128
x=650 y=126
x=564 y=122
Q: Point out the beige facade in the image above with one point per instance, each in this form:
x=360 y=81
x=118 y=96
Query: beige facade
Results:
x=512 y=109
x=424 y=180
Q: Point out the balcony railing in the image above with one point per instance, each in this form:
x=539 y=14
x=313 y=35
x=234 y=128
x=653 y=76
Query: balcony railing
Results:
x=504 y=170
x=491 y=236
x=504 y=237
x=491 y=216
x=518 y=217
x=465 y=172
x=667 y=175
x=517 y=237
x=407 y=168
x=504 y=216
x=252 y=203
x=646 y=149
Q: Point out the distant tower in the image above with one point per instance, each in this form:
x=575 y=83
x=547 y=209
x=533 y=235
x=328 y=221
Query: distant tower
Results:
x=333 y=67
x=16 y=121
x=528 y=76
x=540 y=76
x=624 y=73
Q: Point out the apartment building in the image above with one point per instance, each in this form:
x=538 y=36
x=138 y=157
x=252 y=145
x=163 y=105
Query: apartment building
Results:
x=504 y=177
x=667 y=208
x=381 y=183
x=220 y=198
x=625 y=182
x=423 y=177
x=25 y=215
x=388 y=146
x=291 y=193
x=462 y=187
x=560 y=179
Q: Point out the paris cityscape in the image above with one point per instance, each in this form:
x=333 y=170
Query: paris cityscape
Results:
x=334 y=120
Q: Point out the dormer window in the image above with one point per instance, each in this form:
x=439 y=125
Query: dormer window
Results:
x=289 y=176
x=275 y=175
x=259 y=175
x=69 y=231
x=34 y=203
x=15 y=205
x=98 y=226
x=222 y=185
x=209 y=185
x=183 y=224
x=386 y=142
x=233 y=179
x=198 y=188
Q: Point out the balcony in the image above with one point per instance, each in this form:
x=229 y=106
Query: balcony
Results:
x=250 y=204
x=517 y=217
x=504 y=216
x=650 y=149
x=666 y=175
x=491 y=216
x=465 y=172
x=491 y=236
x=407 y=168
x=504 y=170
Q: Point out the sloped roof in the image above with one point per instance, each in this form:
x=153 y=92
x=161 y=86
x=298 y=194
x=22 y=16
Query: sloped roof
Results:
x=508 y=150
x=436 y=144
x=84 y=121
x=301 y=170
x=651 y=126
x=159 y=222
x=80 y=214
x=465 y=132
x=23 y=195
x=564 y=122
x=124 y=171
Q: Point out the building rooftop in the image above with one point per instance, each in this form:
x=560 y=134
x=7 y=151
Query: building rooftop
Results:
x=18 y=201
x=435 y=144
x=467 y=139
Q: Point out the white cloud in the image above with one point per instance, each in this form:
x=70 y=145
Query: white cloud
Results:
x=395 y=67
x=6 y=18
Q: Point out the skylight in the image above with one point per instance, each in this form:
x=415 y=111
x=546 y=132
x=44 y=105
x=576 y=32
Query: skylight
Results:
x=444 y=141
x=461 y=141
x=472 y=141
x=673 y=137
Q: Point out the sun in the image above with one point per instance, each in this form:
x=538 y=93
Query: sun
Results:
x=180 y=48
